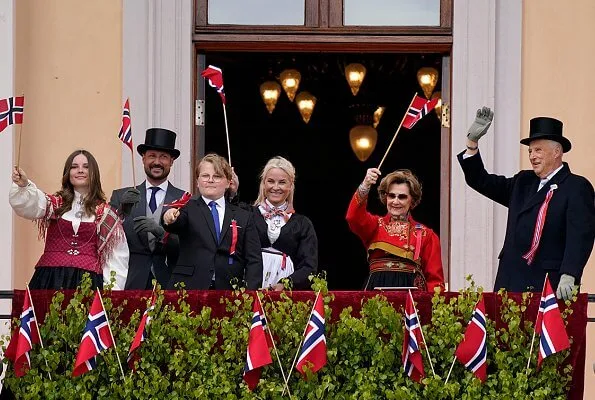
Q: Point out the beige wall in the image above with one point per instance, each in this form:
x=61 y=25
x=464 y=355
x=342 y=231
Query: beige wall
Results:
x=558 y=58
x=68 y=65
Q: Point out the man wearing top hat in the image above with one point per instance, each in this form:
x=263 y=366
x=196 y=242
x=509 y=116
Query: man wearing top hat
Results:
x=551 y=211
x=150 y=258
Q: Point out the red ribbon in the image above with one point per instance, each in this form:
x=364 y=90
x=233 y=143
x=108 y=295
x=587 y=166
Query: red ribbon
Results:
x=234 y=237
x=181 y=202
x=284 y=262
x=530 y=255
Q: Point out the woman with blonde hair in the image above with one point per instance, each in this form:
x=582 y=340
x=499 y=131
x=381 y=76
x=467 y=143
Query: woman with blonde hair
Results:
x=82 y=233
x=288 y=239
x=401 y=251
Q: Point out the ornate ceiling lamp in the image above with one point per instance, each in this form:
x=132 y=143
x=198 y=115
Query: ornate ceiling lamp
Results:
x=290 y=80
x=305 y=103
x=427 y=77
x=377 y=115
x=270 y=91
x=438 y=107
x=363 y=136
x=355 y=74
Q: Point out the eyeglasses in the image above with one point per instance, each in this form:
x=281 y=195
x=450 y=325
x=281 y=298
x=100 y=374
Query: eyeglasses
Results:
x=207 y=177
x=400 y=196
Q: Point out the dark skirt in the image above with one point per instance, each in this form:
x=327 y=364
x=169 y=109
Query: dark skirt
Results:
x=58 y=278
x=389 y=279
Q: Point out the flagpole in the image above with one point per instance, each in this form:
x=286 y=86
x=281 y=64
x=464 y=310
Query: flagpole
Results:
x=148 y=305
x=37 y=327
x=302 y=339
x=274 y=347
x=450 y=370
x=396 y=133
x=535 y=327
x=226 y=133
x=422 y=333
x=19 y=148
x=111 y=333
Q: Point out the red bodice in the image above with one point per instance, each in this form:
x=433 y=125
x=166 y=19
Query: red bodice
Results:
x=64 y=248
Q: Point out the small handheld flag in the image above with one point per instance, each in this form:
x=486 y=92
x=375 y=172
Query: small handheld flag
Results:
x=550 y=325
x=313 y=351
x=125 y=134
x=11 y=111
x=472 y=351
x=418 y=109
x=411 y=355
x=214 y=76
x=258 y=352
x=141 y=334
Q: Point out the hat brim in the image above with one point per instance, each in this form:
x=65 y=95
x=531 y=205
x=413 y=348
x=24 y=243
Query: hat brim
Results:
x=142 y=148
x=566 y=145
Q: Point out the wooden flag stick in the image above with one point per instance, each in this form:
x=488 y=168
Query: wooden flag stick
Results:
x=111 y=333
x=227 y=134
x=270 y=333
x=133 y=172
x=19 y=148
x=397 y=132
x=422 y=333
x=450 y=370
x=37 y=327
x=534 y=328
x=302 y=339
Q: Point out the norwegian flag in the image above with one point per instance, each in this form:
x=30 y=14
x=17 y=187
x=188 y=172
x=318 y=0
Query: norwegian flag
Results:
x=313 y=352
x=215 y=77
x=141 y=334
x=258 y=353
x=473 y=350
x=411 y=357
x=549 y=325
x=96 y=338
x=181 y=202
x=23 y=338
x=419 y=108
x=11 y=111
x=125 y=134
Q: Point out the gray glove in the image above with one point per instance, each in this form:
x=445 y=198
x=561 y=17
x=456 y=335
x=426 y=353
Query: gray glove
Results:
x=129 y=198
x=565 y=287
x=480 y=126
x=144 y=224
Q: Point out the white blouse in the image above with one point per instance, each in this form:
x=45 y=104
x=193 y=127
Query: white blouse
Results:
x=29 y=202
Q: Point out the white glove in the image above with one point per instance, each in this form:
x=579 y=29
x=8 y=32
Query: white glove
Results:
x=565 y=287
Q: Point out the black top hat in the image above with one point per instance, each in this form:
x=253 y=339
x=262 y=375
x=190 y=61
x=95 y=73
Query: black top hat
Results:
x=159 y=139
x=547 y=128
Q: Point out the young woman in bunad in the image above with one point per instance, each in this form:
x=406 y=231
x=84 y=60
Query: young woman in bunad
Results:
x=401 y=251
x=288 y=240
x=82 y=233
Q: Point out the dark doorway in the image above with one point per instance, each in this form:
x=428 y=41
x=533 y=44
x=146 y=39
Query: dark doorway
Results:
x=328 y=172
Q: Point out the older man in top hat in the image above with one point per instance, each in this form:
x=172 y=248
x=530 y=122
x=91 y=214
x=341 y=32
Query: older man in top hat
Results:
x=551 y=211
x=142 y=206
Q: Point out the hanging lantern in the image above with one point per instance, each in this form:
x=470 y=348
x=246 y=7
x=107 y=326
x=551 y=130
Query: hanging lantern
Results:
x=377 y=115
x=363 y=141
x=305 y=103
x=438 y=108
x=270 y=91
x=355 y=74
x=427 y=77
x=290 y=80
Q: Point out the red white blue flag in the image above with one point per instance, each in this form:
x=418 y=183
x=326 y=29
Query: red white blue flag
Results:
x=23 y=338
x=313 y=351
x=473 y=350
x=412 y=338
x=419 y=108
x=258 y=353
x=550 y=325
x=141 y=334
x=11 y=111
x=125 y=134
x=97 y=337
x=214 y=76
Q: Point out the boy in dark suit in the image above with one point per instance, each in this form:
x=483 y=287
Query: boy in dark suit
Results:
x=219 y=244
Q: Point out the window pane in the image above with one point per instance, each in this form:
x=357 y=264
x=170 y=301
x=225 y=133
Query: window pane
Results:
x=392 y=12
x=256 y=12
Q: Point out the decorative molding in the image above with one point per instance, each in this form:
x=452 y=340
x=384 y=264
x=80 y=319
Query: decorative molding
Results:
x=486 y=71
x=157 y=77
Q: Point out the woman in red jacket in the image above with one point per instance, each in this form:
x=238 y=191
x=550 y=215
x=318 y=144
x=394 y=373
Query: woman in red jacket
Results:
x=401 y=251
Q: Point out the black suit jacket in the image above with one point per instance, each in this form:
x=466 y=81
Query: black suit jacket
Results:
x=141 y=257
x=200 y=254
x=568 y=233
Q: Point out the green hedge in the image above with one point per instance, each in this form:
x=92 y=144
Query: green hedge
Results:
x=194 y=356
